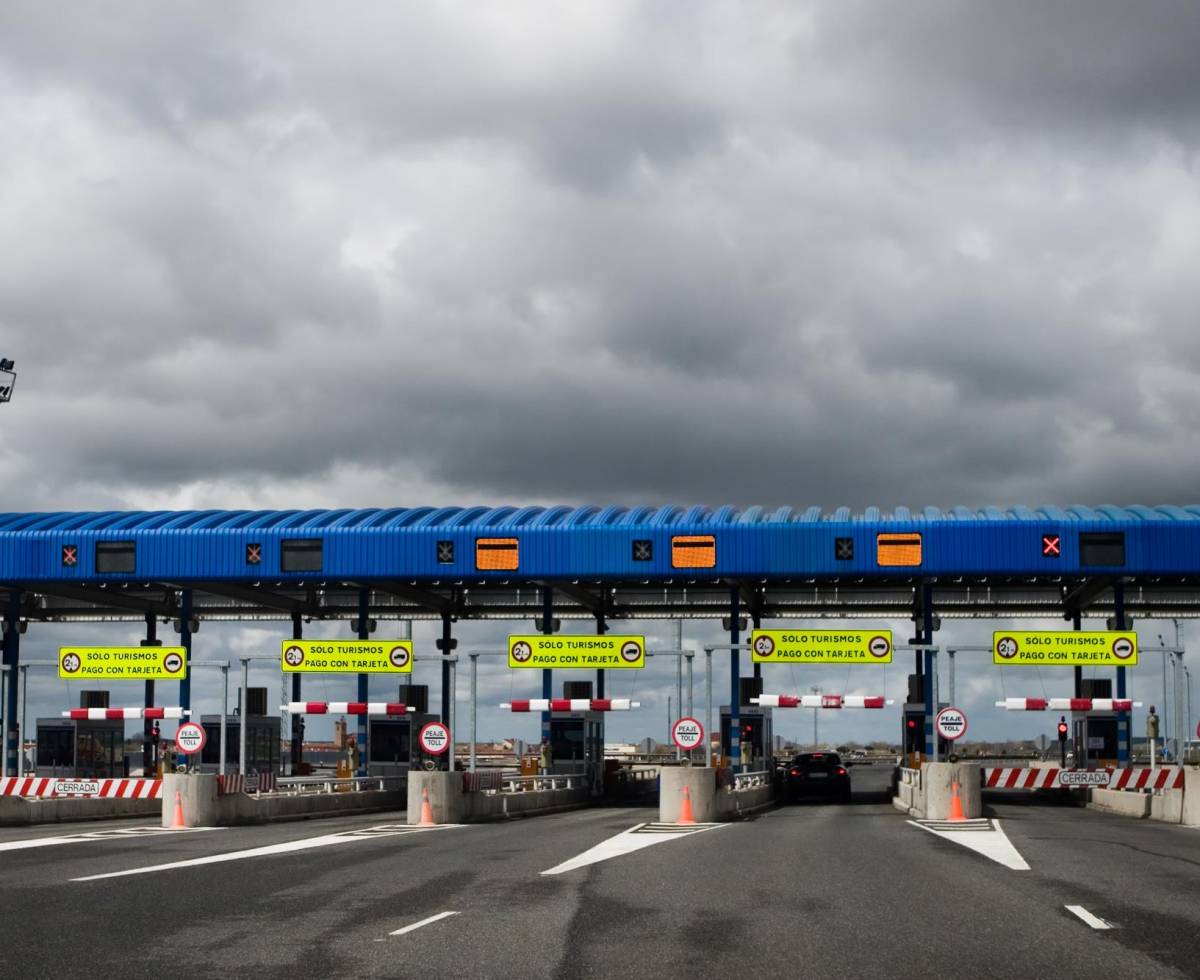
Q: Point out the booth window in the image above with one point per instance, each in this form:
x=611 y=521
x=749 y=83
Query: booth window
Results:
x=302 y=555
x=1101 y=548
x=116 y=556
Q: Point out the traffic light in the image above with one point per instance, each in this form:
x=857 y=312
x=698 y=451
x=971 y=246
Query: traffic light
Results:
x=1062 y=729
x=914 y=731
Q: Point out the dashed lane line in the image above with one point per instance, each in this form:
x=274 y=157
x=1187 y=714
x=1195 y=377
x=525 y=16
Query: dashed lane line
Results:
x=1092 y=920
x=423 y=922
x=287 y=847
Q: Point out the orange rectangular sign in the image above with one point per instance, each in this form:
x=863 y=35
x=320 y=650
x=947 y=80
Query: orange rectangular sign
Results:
x=693 y=551
x=898 y=550
x=496 y=554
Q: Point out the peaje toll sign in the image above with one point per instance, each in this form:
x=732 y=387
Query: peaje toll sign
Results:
x=346 y=656
x=951 y=724
x=687 y=733
x=190 y=738
x=122 y=663
x=1065 y=648
x=435 y=738
x=821 y=646
x=608 y=651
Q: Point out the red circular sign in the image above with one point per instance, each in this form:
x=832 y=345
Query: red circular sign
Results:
x=687 y=733
x=190 y=738
x=435 y=738
x=951 y=724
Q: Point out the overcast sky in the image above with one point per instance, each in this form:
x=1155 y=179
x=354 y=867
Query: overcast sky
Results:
x=286 y=255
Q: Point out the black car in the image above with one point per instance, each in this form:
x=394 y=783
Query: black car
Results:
x=816 y=774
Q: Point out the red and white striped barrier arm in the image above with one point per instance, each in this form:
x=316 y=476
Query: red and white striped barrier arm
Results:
x=820 y=701
x=1009 y=778
x=1068 y=704
x=1138 y=779
x=346 y=708
x=116 y=714
x=48 y=786
x=571 y=704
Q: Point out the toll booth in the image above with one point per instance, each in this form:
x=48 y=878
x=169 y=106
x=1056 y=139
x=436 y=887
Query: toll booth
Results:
x=392 y=741
x=263 y=734
x=577 y=737
x=757 y=739
x=912 y=734
x=1095 y=732
x=85 y=749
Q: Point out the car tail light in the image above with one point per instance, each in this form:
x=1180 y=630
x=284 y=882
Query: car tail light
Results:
x=841 y=771
x=795 y=772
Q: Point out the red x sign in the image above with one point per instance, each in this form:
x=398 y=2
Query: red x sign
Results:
x=70 y=555
x=253 y=554
x=1051 y=545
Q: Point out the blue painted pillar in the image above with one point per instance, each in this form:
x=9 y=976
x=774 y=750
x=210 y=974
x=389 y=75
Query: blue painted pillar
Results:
x=12 y=657
x=185 y=640
x=601 y=628
x=447 y=636
x=151 y=640
x=756 y=622
x=364 y=689
x=1122 y=716
x=735 y=678
x=547 y=674
x=926 y=636
x=297 y=720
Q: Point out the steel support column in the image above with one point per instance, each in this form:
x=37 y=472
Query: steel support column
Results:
x=756 y=623
x=297 y=720
x=547 y=674
x=151 y=640
x=601 y=628
x=12 y=657
x=1122 y=716
x=185 y=640
x=447 y=635
x=364 y=680
x=735 y=678
x=926 y=636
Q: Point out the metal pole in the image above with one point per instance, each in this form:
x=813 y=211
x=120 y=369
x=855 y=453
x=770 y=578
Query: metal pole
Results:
x=224 y=714
x=950 y=668
x=735 y=676
x=3 y=719
x=678 y=682
x=690 y=709
x=24 y=706
x=936 y=708
x=297 y=721
x=668 y=742
x=364 y=683
x=1123 y=717
x=547 y=675
x=474 y=712
x=453 y=665
x=708 y=709
x=148 y=701
x=242 y=716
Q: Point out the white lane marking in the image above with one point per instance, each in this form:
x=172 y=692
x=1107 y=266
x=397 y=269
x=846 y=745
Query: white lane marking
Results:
x=992 y=844
x=1092 y=920
x=125 y=833
x=423 y=922
x=287 y=847
x=628 y=841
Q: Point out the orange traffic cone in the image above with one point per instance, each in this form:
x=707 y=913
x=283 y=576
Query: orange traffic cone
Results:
x=685 y=808
x=177 y=822
x=426 y=811
x=956 y=810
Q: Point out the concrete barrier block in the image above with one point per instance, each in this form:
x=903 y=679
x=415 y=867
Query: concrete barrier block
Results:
x=445 y=796
x=198 y=795
x=1190 y=810
x=1119 y=802
x=18 y=812
x=701 y=783
x=936 y=779
x=1167 y=806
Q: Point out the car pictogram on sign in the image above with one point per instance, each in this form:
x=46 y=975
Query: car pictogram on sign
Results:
x=71 y=663
x=521 y=651
x=631 y=652
x=399 y=657
x=1007 y=647
x=294 y=656
x=764 y=646
x=879 y=646
x=172 y=663
x=1122 y=648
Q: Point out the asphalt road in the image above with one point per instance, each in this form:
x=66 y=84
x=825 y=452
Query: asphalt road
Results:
x=814 y=890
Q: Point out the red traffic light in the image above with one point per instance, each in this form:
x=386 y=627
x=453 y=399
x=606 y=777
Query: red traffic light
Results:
x=912 y=723
x=1062 y=728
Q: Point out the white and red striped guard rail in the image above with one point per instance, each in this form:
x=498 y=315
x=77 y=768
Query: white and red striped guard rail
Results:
x=571 y=704
x=820 y=701
x=1068 y=704
x=347 y=708
x=115 y=714
x=1128 y=779
x=46 y=786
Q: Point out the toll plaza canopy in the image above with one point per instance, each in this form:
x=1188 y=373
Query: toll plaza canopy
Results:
x=612 y=562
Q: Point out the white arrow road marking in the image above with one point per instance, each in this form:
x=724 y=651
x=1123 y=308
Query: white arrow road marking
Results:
x=423 y=922
x=124 y=833
x=628 y=841
x=288 y=847
x=1092 y=920
x=993 y=843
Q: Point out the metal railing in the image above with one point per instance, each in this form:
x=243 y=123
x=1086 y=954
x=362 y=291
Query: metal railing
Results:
x=751 y=780
x=298 y=785
x=534 y=784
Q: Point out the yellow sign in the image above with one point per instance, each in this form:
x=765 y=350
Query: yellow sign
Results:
x=346 y=656
x=122 y=663
x=605 y=652
x=1063 y=648
x=821 y=646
